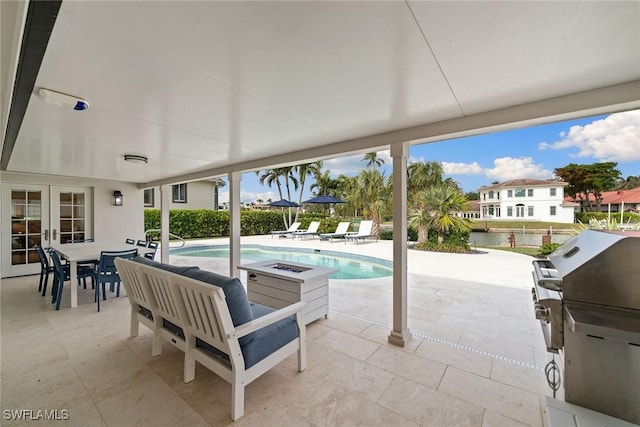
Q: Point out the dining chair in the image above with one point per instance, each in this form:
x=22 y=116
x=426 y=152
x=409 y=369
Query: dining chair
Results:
x=142 y=243
x=107 y=272
x=151 y=255
x=45 y=269
x=130 y=242
x=61 y=275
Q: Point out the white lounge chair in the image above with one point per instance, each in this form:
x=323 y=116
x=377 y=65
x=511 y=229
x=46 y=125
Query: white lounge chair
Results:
x=311 y=231
x=341 y=231
x=363 y=232
x=292 y=229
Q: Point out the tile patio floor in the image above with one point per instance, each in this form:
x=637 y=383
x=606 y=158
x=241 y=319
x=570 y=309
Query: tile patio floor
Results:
x=475 y=358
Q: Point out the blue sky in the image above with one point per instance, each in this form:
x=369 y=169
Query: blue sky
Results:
x=532 y=152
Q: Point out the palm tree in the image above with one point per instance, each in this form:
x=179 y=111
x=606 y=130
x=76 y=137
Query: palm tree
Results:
x=304 y=170
x=420 y=176
x=373 y=192
x=324 y=184
x=270 y=176
x=439 y=204
x=372 y=159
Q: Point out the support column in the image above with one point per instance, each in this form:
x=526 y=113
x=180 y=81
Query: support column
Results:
x=234 y=223
x=165 y=200
x=400 y=333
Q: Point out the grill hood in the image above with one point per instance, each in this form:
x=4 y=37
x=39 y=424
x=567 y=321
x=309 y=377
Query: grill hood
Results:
x=601 y=267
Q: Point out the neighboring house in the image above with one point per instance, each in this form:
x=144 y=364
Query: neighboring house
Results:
x=621 y=200
x=189 y=195
x=472 y=212
x=526 y=199
x=616 y=201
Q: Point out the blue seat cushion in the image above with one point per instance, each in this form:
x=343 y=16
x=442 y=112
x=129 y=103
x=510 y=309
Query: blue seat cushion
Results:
x=234 y=293
x=261 y=343
x=167 y=267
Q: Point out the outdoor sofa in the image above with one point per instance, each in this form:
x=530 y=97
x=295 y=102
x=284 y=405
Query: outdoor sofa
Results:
x=208 y=317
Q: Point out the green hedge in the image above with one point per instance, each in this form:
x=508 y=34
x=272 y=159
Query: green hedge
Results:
x=202 y=223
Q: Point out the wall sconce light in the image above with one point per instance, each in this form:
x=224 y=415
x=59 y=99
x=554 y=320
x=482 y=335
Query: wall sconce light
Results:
x=117 y=198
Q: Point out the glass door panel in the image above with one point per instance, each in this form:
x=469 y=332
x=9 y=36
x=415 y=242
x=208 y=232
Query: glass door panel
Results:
x=28 y=208
x=71 y=212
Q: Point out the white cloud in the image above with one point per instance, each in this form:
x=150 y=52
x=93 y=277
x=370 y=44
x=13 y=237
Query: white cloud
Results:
x=451 y=168
x=615 y=138
x=352 y=165
x=507 y=168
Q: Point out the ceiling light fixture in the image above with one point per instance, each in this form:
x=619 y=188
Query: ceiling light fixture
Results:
x=63 y=100
x=134 y=158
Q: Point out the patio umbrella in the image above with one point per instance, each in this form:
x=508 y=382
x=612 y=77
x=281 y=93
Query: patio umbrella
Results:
x=324 y=199
x=284 y=203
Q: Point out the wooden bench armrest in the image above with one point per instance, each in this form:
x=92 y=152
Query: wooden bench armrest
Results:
x=261 y=322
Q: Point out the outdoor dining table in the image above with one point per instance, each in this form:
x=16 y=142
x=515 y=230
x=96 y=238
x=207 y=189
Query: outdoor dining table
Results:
x=89 y=251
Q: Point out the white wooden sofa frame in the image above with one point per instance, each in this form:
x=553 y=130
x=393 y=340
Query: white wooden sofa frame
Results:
x=201 y=311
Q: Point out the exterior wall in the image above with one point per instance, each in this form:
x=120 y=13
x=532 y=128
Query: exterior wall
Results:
x=199 y=196
x=497 y=203
x=115 y=223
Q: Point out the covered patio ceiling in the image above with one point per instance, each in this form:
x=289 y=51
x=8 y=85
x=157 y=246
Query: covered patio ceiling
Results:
x=207 y=88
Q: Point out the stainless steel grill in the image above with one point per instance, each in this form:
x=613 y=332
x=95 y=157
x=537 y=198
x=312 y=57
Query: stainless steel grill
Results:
x=587 y=298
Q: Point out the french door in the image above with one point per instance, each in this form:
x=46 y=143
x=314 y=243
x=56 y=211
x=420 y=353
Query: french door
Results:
x=40 y=215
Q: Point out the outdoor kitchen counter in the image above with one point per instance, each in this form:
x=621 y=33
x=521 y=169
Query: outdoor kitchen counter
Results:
x=278 y=284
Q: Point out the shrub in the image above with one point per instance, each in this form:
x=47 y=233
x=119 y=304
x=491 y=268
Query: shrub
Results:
x=444 y=247
x=547 y=248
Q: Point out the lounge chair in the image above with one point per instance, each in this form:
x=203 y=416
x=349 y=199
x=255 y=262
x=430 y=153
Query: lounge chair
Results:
x=363 y=232
x=283 y=233
x=341 y=231
x=311 y=231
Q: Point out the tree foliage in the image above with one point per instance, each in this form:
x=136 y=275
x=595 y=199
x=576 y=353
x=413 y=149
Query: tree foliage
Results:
x=589 y=180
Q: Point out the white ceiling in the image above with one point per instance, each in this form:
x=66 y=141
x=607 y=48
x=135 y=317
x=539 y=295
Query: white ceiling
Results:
x=215 y=86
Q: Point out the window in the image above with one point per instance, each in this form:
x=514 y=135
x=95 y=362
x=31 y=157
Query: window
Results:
x=529 y=210
x=180 y=193
x=530 y=192
x=552 y=192
x=509 y=193
x=509 y=210
x=519 y=192
x=552 y=210
x=491 y=194
x=148 y=198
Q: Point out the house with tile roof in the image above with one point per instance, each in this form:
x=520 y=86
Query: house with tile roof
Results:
x=527 y=200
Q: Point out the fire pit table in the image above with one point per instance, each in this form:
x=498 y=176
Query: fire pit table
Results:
x=278 y=284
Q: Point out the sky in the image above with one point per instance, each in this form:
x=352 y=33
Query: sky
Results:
x=532 y=152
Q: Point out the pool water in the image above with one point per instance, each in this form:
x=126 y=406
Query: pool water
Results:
x=349 y=266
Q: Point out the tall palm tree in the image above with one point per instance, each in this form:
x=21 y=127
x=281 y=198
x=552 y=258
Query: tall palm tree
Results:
x=438 y=206
x=304 y=170
x=373 y=192
x=372 y=159
x=270 y=176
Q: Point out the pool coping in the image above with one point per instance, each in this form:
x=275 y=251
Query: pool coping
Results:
x=359 y=257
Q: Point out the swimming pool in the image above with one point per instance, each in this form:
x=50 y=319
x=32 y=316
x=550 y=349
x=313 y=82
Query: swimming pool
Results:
x=350 y=266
